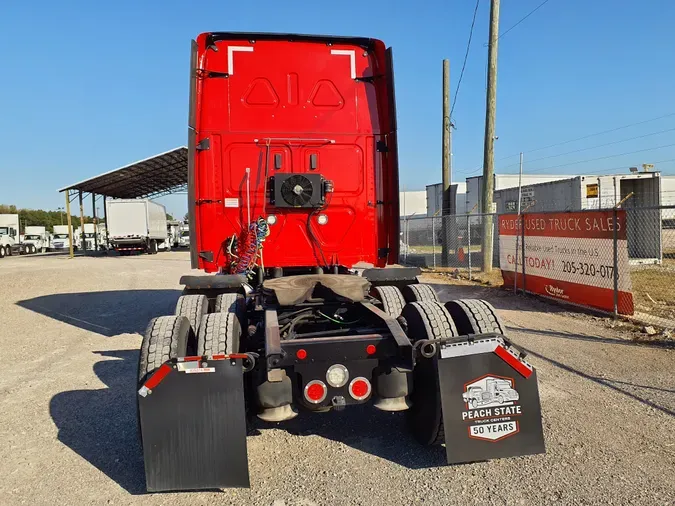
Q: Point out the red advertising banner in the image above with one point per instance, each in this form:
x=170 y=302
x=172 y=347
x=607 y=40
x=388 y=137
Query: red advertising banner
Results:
x=568 y=256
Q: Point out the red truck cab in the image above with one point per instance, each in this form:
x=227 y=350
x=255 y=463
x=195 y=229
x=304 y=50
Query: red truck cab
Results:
x=298 y=131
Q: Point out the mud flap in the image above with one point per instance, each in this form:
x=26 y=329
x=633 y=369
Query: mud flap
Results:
x=193 y=426
x=490 y=402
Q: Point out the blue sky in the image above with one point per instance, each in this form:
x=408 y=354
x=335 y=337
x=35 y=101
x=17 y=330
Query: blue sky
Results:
x=90 y=86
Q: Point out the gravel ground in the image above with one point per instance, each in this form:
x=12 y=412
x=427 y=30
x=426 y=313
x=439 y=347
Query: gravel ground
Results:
x=70 y=331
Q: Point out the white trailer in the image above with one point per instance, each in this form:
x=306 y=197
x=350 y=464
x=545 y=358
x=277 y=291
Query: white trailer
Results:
x=474 y=186
x=668 y=199
x=61 y=238
x=135 y=225
x=36 y=239
x=435 y=199
x=9 y=235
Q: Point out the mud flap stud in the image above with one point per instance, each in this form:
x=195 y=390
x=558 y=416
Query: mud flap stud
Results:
x=490 y=402
x=193 y=425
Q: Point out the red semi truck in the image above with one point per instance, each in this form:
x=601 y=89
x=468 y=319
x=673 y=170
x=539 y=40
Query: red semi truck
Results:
x=293 y=210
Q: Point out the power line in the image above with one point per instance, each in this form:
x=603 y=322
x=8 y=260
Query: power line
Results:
x=524 y=18
x=602 y=158
x=466 y=56
x=592 y=135
x=592 y=147
x=528 y=151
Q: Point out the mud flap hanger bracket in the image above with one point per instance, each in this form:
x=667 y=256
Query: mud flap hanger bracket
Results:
x=470 y=345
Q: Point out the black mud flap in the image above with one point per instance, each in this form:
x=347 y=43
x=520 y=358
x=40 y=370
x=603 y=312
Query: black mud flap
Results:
x=490 y=402
x=193 y=426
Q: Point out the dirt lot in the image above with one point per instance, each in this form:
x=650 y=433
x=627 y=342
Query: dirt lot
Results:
x=70 y=330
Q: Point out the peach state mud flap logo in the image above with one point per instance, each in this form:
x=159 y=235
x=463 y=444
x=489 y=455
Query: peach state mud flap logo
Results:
x=492 y=408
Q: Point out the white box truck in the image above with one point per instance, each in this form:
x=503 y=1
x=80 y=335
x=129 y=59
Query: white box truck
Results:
x=36 y=239
x=136 y=225
x=92 y=237
x=9 y=235
x=61 y=238
x=173 y=228
x=184 y=239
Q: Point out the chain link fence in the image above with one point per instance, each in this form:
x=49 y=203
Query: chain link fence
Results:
x=632 y=270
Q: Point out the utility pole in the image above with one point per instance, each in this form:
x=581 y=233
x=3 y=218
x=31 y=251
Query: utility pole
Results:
x=488 y=154
x=447 y=174
x=520 y=221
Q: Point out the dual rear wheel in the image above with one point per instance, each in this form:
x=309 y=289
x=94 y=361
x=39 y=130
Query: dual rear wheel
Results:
x=428 y=319
x=192 y=331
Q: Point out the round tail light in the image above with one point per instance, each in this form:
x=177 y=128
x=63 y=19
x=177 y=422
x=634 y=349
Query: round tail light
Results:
x=315 y=391
x=359 y=388
x=337 y=375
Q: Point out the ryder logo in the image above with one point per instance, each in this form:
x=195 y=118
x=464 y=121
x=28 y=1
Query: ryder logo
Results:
x=554 y=291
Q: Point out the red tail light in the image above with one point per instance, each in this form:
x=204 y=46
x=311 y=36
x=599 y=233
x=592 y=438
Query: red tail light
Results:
x=360 y=388
x=315 y=391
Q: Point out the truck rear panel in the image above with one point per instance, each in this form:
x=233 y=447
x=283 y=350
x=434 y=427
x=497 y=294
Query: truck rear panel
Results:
x=266 y=106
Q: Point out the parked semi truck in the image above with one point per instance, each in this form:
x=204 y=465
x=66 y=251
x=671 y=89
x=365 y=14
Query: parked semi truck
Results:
x=61 y=238
x=135 y=225
x=293 y=212
x=9 y=235
x=36 y=239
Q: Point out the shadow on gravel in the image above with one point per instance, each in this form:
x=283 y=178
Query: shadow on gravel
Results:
x=106 y=313
x=594 y=339
x=629 y=391
x=366 y=429
x=101 y=426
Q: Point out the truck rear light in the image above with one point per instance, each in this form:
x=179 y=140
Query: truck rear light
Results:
x=322 y=219
x=271 y=219
x=337 y=375
x=370 y=349
x=301 y=354
x=315 y=391
x=360 y=388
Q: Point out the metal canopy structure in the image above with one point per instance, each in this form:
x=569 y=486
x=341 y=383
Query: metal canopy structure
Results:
x=152 y=177
x=158 y=175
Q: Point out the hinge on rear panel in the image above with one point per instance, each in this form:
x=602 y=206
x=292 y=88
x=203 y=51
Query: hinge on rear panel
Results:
x=367 y=79
x=382 y=147
x=207 y=201
x=206 y=255
x=206 y=74
x=203 y=145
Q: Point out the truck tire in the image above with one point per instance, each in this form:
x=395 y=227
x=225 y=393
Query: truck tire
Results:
x=391 y=298
x=427 y=320
x=232 y=303
x=2 y=252
x=219 y=333
x=419 y=293
x=474 y=316
x=165 y=338
x=193 y=307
